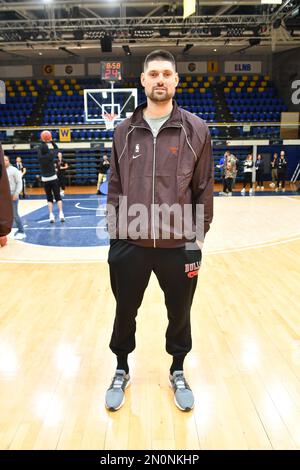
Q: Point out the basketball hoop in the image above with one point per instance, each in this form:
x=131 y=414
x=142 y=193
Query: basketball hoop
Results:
x=109 y=120
x=109 y=106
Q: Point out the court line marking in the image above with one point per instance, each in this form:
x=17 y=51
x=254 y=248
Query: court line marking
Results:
x=48 y=220
x=293 y=198
x=100 y=209
x=252 y=247
x=101 y=260
x=64 y=227
x=75 y=261
x=92 y=198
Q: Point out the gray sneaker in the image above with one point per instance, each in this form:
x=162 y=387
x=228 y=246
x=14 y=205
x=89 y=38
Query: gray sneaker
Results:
x=183 y=395
x=115 y=395
x=19 y=235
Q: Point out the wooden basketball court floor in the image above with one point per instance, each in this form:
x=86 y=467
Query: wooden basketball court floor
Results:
x=56 y=315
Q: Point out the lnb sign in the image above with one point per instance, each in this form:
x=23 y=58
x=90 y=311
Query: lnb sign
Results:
x=296 y=94
x=2 y=92
x=242 y=67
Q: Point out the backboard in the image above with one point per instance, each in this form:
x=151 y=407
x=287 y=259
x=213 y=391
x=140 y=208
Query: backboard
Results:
x=109 y=106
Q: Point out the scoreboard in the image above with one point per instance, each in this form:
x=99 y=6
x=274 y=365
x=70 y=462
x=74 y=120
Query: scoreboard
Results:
x=111 y=71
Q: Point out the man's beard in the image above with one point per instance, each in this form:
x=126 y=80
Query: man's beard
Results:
x=160 y=96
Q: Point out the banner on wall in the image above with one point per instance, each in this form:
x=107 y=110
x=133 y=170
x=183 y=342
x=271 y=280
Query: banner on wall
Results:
x=2 y=92
x=16 y=71
x=69 y=70
x=48 y=69
x=94 y=69
x=192 y=67
x=213 y=66
x=289 y=125
x=242 y=67
x=64 y=134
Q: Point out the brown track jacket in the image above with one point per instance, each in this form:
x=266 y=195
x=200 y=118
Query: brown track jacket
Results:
x=6 y=211
x=174 y=167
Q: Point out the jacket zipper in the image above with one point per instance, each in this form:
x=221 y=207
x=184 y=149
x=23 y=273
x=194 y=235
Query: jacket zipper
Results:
x=153 y=189
x=153 y=176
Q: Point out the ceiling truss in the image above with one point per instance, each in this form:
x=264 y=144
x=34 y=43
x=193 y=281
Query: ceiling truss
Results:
x=65 y=23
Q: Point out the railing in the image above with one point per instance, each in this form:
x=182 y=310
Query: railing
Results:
x=95 y=132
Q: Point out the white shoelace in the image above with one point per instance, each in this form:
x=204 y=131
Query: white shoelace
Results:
x=118 y=381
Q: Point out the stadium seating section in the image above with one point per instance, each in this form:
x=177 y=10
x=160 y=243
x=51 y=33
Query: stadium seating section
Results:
x=248 y=99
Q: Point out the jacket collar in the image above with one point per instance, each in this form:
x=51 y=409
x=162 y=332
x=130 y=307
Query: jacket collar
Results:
x=137 y=118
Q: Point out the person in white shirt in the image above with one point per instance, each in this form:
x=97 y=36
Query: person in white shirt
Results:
x=15 y=183
x=22 y=169
x=248 y=172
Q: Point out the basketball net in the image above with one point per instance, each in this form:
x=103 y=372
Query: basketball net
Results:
x=109 y=120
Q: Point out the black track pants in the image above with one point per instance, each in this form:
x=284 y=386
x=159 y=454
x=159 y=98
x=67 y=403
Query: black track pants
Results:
x=176 y=270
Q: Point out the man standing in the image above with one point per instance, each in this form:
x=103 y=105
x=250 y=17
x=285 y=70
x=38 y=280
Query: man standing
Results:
x=161 y=158
x=282 y=171
x=15 y=183
x=46 y=159
x=221 y=165
x=61 y=167
x=22 y=169
x=103 y=170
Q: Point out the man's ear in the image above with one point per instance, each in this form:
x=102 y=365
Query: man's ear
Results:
x=143 y=79
x=177 y=78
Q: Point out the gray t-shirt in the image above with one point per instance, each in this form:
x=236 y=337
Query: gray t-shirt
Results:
x=156 y=123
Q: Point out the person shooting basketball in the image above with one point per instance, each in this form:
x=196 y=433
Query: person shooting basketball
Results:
x=47 y=159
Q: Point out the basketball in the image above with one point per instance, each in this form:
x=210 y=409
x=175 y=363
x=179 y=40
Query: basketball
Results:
x=3 y=241
x=46 y=136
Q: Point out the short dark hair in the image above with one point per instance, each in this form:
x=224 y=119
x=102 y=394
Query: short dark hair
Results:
x=160 y=55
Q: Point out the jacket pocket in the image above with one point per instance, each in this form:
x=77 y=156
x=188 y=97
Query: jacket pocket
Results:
x=184 y=189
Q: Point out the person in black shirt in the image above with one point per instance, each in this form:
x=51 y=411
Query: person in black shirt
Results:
x=259 y=168
x=46 y=159
x=281 y=171
x=274 y=164
x=61 y=166
x=103 y=170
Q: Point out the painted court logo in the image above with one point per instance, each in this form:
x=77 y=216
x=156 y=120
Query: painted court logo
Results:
x=192 y=269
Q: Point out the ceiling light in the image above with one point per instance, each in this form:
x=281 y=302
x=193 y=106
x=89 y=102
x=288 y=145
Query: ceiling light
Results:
x=106 y=44
x=164 y=32
x=78 y=34
x=254 y=42
x=141 y=33
x=277 y=23
x=187 y=48
x=235 y=31
x=215 y=32
x=271 y=2
x=127 y=50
